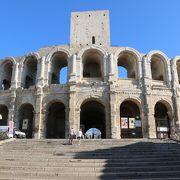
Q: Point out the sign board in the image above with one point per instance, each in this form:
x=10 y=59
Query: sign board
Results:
x=124 y=122
x=162 y=129
x=138 y=123
x=132 y=123
x=25 y=124
x=11 y=129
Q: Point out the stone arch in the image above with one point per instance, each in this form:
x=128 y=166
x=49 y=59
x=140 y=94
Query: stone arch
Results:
x=176 y=68
x=131 y=118
x=29 y=72
x=6 y=72
x=163 y=115
x=55 y=119
x=135 y=99
x=88 y=97
x=128 y=59
x=93 y=115
x=92 y=62
x=93 y=47
x=26 y=119
x=4 y=112
x=59 y=61
x=57 y=49
x=33 y=55
x=159 y=65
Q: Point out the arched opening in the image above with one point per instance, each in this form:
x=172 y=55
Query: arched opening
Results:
x=178 y=69
x=157 y=68
x=29 y=72
x=55 y=121
x=92 y=64
x=162 y=121
x=26 y=119
x=3 y=115
x=127 y=65
x=92 y=115
x=131 y=125
x=122 y=72
x=6 y=74
x=93 y=40
x=59 y=68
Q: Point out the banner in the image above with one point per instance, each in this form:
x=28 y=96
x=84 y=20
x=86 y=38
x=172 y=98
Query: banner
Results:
x=132 y=123
x=11 y=129
x=138 y=123
x=124 y=123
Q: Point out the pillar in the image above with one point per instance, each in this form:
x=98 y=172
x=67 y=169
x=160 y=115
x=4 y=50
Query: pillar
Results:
x=73 y=69
x=39 y=126
x=115 y=119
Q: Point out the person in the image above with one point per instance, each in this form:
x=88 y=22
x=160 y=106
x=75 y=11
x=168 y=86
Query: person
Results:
x=71 y=136
x=79 y=136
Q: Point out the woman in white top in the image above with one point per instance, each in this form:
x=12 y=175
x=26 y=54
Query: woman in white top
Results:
x=79 y=135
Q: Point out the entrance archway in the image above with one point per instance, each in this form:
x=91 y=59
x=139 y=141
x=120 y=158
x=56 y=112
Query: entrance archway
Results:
x=131 y=125
x=93 y=116
x=55 y=122
x=26 y=119
x=3 y=115
x=162 y=120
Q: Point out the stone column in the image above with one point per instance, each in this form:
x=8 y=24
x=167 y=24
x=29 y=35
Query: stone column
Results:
x=111 y=68
x=148 y=121
x=14 y=78
x=41 y=67
x=39 y=128
x=151 y=122
x=73 y=69
x=115 y=120
x=168 y=77
x=20 y=75
x=72 y=122
x=11 y=115
x=47 y=69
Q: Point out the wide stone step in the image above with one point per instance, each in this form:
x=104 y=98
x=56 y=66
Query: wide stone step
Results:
x=104 y=174
x=106 y=168
x=86 y=163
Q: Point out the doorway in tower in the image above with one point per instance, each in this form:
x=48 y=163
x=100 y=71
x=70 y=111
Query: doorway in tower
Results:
x=92 y=116
x=131 y=125
x=162 y=121
x=55 y=121
x=26 y=119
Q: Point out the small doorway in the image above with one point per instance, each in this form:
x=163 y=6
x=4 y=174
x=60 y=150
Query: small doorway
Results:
x=162 y=121
x=55 y=122
x=26 y=118
x=131 y=125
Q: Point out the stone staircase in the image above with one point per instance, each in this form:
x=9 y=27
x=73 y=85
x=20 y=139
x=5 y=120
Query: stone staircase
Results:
x=93 y=159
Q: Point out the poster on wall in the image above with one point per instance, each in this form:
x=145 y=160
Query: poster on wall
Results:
x=124 y=122
x=138 y=123
x=132 y=123
x=25 y=124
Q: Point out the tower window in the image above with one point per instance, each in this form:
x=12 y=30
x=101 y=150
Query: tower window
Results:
x=93 y=40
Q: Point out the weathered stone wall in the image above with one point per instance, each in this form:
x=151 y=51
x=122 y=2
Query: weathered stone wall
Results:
x=109 y=90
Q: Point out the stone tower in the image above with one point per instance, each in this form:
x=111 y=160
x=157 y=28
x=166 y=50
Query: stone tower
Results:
x=90 y=27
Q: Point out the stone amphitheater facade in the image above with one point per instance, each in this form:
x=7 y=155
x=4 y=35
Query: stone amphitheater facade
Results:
x=144 y=104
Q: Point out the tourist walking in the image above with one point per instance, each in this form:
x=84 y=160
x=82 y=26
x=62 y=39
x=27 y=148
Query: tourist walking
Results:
x=71 y=136
x=79 y=136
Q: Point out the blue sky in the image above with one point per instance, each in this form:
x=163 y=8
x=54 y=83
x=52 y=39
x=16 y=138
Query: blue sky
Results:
x=27 y=25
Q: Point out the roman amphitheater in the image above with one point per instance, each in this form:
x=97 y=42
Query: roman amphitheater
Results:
x=143 y=103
